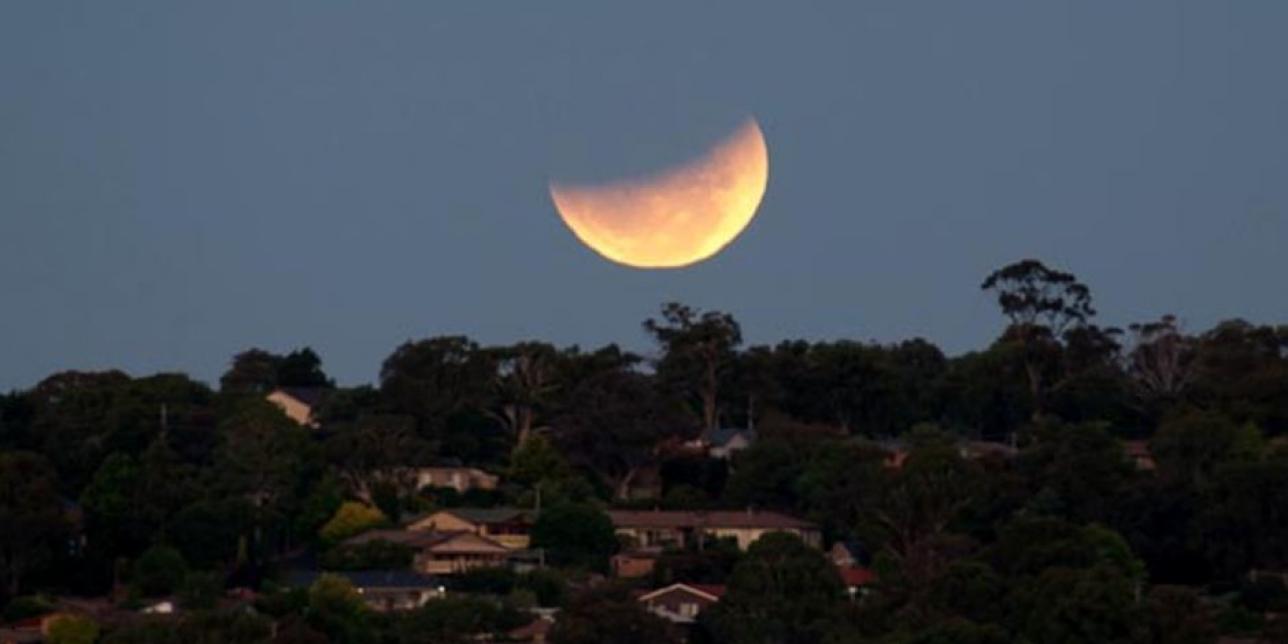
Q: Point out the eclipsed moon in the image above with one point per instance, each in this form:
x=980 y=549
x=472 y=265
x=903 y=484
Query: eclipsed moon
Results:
x=677 y=217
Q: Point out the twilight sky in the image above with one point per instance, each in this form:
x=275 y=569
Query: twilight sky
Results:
x=180 y=181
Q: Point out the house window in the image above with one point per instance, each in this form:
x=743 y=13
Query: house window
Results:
x=689 y=609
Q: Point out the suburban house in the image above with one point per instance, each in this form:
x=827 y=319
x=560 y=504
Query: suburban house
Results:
x=681 y=603
x=383 y=590
x=461 y=479
x=722 y=442
x=1138 y=452
x=645 y=485
x=857 y=579
x=507 y=526
x=298 y=403
x=848 y=559
x=442 y=553
x=662 y=528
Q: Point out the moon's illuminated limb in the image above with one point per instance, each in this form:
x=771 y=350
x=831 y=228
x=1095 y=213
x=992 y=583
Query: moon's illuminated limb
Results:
x=677 y=217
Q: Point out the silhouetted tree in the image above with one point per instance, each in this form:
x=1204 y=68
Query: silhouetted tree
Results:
x=253 y=371
x=525 y=380
x=31 y=513
x=697 y=351
x=1041 y=304
x=781 y=591
x=440 y=382
x=609 y=615
x=619 y=422
x=577 y=535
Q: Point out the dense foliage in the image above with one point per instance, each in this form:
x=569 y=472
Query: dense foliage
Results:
x=161 y=485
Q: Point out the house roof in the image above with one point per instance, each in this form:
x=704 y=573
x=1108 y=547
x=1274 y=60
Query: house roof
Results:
x=710 y=592
x=465 y=542
x=477 y=516
x=843 y=549
x=412 y=538
x=720 y=436
x=710 y=519
x=368 y=578
x=1137 y=448
x=311 y=396
x=455 y=540
x=856 y=576
x=488 y=515
x=714 y=590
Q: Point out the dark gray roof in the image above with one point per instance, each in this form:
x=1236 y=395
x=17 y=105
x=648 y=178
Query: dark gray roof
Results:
x=367 y=578
x=409 y=538
x=477 y=515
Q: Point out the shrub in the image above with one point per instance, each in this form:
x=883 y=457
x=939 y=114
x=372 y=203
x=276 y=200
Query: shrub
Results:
x=547 y=586
x=575 y=535
x=160 y=570
x=489 y=581
x=352 y=518
x=201 y=590
x=27 y=606
x=72 y=629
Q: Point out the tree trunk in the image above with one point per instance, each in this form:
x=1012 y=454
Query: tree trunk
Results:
x=624 y=487
x=710 y=387
x=1035 y=389
x=524 y=424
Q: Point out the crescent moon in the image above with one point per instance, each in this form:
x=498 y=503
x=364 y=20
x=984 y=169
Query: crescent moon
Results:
x=677 y=217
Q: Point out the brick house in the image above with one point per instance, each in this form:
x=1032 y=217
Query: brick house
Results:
x=442 y=553
x=509 y=527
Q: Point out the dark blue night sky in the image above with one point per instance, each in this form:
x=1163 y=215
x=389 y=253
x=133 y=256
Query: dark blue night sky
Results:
x=180 y=181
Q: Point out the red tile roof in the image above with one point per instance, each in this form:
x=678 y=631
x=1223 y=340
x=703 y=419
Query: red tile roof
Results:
x=857 y=576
